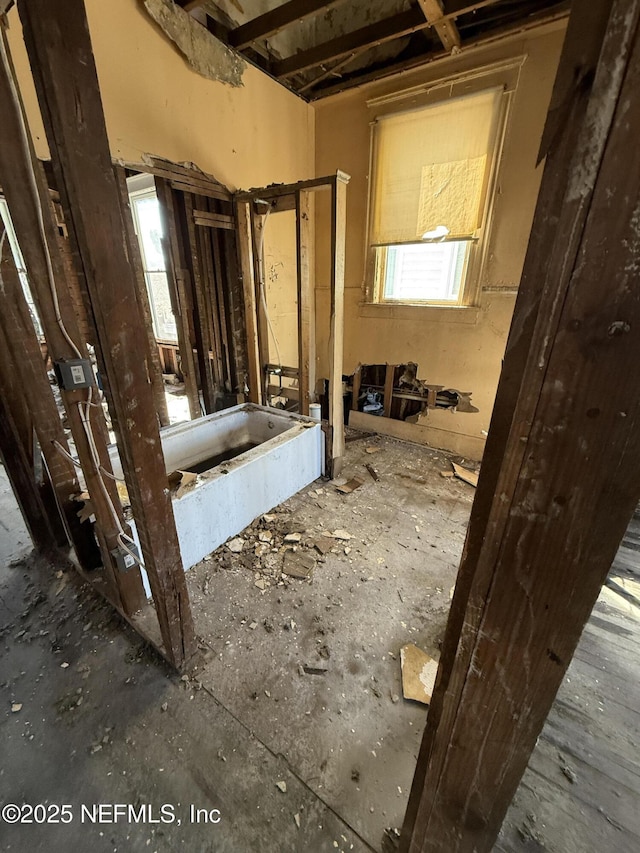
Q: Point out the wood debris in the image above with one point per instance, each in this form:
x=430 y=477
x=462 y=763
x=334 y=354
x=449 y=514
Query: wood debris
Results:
x=349 y=486
x=418 y=673
x=461 y=473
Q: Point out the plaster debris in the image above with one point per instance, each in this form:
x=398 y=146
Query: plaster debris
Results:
x=342 y=535
x=296 y=817
x=282 y=786
x=16 y=706
x=418 y=673
x=292 y=538
x=298 y=565
x=203 y=51
x=235 y=545
x=349 y=486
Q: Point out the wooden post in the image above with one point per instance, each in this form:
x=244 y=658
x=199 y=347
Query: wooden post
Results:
x=20 y=473
x=336 y=333
x=306 y=311
x=27 y=196
x=22 y=347
x=389 y=376
x=135 y=259
x=178 y=290
x=59 y=49
x=561 y=473
x=245 y=253
x=257 y=242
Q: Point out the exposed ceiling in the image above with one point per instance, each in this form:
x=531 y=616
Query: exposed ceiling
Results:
x=319 y=47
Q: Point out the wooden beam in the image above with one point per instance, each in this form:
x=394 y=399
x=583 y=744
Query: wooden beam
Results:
x=306 y=313
x=445 y=27
x=277 y=19
x=20 y=472
x=257 y=242
x=401 y=24
x=336 y=328
x=179 y=290
x=275 y=191
x=142 y=295
x=61 y=58
x=22 y=349
x=245 y=260
x=557 y=489
x=389 y=376
x=213 y=220
x=355 y=388
x=27 y=195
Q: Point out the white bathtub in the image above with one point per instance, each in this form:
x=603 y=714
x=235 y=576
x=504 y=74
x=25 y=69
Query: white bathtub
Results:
x=287 y=456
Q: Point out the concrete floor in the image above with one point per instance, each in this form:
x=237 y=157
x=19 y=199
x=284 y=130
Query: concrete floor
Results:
x=295 y=762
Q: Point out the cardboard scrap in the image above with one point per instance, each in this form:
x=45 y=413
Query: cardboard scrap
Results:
x=349 y=486
x=461 y=473
x=418 y=674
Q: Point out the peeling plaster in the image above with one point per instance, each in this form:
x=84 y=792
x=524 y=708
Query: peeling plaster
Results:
x=204 y=52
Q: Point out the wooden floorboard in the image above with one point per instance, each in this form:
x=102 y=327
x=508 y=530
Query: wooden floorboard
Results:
x=581 y=791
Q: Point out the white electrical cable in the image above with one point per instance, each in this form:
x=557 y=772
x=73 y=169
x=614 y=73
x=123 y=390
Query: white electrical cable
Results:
x=263 y=297
x=24 y=139
x=84 y=415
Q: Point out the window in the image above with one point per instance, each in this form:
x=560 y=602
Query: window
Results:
x=146 y=219
x=7 y=224
x=432 y=169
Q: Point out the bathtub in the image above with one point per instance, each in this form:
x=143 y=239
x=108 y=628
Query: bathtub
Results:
x=248 y=458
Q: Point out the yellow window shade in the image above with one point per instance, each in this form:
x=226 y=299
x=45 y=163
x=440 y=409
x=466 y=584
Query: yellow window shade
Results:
x=432 y=167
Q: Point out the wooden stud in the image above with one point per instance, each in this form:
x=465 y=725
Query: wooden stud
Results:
x=336 y=332
x=178 y=288
x=355 y=388
x=133 y=249
x=306 y=313
x=235 y=311
x=26 y=192
x=245 y=258
x=18 y=467
x=22 y=348
x=221 y=307
x=61 y=58
x=560 y=478
x=389 y=376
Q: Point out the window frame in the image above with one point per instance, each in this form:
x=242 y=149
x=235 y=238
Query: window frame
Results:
x=504 y=75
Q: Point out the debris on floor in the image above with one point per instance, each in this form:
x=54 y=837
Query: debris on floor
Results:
x=418 y=673
x=373 y=472
x=461 y=473
x=349 y=486
x=298 y=564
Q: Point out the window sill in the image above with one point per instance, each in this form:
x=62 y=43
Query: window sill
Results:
x=467 y=314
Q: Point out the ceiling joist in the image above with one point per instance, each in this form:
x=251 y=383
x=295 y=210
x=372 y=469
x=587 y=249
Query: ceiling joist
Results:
x=277 y=19
x=445 y=27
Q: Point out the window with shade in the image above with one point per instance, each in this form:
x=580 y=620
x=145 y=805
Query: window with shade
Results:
x=432 y=175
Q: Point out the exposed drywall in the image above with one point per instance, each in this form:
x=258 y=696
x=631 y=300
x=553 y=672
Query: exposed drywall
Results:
x=203 y=51
x=454 y=347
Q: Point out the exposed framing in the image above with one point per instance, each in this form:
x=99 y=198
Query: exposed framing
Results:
x=297 y=197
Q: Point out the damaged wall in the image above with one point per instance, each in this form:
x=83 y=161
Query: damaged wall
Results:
x=455 y=347
x=155 y=103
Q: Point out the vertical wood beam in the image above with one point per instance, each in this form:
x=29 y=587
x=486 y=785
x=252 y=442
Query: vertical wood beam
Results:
x=22 y=347
x=336 y=329
x=389 y=376
x=245 y=259
x=27 y=196
x=61 y=58
x=306 y=313
x=177 y=277
x=232 y=287
x=135 y=258
x=20 y=473
x=560 y=474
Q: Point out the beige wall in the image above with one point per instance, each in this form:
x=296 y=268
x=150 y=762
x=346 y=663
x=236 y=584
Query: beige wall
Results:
x=457 y=347
x=154 y=103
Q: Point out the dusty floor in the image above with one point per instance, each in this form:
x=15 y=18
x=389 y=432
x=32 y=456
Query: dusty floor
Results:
x=102 y=720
